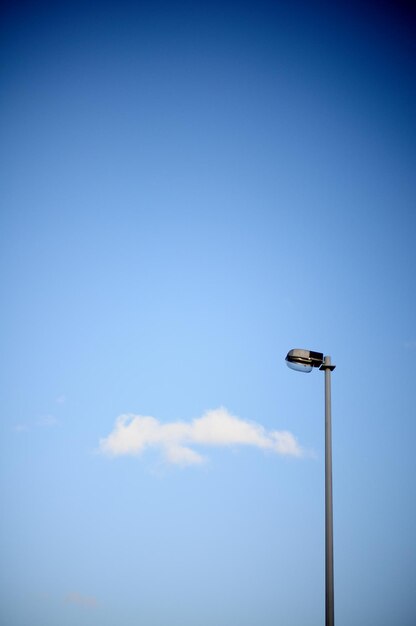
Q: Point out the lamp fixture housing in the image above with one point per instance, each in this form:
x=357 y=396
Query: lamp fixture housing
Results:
x=304 y=360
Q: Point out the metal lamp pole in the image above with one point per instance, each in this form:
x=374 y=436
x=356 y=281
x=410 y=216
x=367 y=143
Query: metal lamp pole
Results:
x=305 y=361
x=329 y=524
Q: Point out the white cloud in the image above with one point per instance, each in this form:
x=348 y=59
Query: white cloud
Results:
x=132 y=434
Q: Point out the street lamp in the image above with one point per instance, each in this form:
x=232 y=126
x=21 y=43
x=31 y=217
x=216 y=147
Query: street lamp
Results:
x=305 y=361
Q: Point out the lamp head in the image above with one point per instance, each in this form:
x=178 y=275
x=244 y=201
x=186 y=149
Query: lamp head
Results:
x=304 y=360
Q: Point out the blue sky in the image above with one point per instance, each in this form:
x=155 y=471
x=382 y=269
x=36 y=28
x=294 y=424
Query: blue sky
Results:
x=188 y=191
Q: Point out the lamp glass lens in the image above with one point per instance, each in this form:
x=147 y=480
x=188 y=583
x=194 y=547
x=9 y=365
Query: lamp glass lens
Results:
x=300 y=367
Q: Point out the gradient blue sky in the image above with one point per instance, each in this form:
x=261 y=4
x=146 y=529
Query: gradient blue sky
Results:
x=188 y=191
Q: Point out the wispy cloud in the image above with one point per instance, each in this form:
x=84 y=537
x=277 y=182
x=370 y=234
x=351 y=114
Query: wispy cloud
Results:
x=80 y=600
x=21 y=428
x=48 y=421
x=133 y=434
